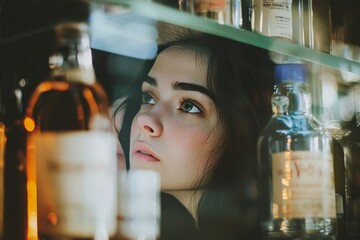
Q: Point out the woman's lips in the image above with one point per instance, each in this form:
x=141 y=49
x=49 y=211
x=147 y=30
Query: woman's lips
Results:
x=143 y=153
x=145 y=157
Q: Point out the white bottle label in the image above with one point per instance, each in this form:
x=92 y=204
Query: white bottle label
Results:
x=273 y=18
x=303 y=185
x=139 y=207
x=76 y=180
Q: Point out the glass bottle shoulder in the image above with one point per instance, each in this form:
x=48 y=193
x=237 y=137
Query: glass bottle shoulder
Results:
x=50 y=89
x=58 y=105
x=294 y=124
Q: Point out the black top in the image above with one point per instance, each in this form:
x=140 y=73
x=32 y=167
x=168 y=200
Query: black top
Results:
x=176 y=221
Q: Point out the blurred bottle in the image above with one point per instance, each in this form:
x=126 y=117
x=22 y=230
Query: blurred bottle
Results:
x=71 y=151
x=299 y=24
x=303 y=22
x=230 y=12
x=320 y=29
x=312 y=26
x=139 y=205
x=212 y=9
x=273 y=18
x=296 y=164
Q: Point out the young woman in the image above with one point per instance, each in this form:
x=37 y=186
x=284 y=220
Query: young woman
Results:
x=196 y=121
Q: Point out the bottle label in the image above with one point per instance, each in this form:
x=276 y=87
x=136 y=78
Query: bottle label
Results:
x=273 y=18
x=76 y=181
x=303 y=185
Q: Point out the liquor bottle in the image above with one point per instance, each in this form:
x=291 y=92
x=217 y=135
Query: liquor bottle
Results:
x=71 y=150
x=295 y=164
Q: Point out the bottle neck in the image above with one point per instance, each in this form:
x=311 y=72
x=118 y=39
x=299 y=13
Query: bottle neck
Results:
x=72 y=60
x=290 y=98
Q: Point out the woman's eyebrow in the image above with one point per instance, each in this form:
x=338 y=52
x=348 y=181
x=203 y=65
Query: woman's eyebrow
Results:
x=193 y=87
x=150 y=81
x=183 y=86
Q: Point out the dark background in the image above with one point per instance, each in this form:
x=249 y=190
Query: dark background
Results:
x=26 y=41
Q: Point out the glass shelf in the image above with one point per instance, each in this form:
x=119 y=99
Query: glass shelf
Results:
x=170 y=15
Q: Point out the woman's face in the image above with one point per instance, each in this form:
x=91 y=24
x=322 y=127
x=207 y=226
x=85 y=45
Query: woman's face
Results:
x=176 y=130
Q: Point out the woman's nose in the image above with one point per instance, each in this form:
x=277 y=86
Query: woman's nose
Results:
x=150 y=124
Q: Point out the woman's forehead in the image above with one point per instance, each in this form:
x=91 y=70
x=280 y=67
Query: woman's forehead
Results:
x=184 y=57
x=198 y=53
x=179 y=66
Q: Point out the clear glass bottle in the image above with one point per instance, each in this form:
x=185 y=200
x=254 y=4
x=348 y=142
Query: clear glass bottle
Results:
x=273 y=18
x=296 y=164
x=71 y=151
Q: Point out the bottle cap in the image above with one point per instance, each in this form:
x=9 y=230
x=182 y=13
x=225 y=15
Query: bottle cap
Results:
x=294 y=72
x=70 y=30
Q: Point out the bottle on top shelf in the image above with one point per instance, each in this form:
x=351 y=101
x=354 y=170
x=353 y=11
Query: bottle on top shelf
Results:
x=272 y=18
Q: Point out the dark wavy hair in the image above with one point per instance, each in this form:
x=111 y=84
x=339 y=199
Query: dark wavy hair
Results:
x=240 y=77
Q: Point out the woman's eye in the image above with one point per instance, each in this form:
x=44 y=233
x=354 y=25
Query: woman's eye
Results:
x=147 y=99
x=189 y=107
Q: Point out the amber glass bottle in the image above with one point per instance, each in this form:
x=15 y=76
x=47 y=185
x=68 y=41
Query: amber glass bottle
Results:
x=71 y=151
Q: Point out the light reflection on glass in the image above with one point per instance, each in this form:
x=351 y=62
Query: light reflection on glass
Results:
x=32 y=231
